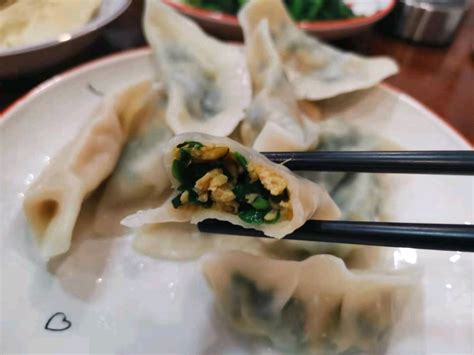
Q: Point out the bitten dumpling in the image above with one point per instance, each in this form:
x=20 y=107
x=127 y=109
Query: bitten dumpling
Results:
x=317 y=71
x=215 y=177
x=206 y=80
x=273 y=121
x=53 y=201
x=316 y=306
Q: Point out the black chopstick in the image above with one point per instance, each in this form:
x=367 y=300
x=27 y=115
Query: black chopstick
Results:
x=458 y=162
x=456 y=237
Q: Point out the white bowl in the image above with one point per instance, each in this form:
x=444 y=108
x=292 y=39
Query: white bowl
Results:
x=26 y=59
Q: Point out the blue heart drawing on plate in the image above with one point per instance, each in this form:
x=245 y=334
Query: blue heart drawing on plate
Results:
x=54 y=323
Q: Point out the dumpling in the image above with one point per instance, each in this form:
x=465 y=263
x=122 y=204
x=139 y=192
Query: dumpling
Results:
x=138 y=180
x=315 y=306
x=316 y=70
x=53 y=201
x=206 y=80
x=215 y=177
x=183 y=241
x=359 y=197
x=273 y=120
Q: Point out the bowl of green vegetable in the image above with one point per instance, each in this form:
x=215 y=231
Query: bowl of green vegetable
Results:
x=326 y=19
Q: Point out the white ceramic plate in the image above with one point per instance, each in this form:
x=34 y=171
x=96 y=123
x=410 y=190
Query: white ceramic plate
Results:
x=25 y=59
x=118 y=301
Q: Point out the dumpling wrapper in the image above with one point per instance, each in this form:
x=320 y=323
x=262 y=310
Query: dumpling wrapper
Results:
x=316 y=306
x=53 y=201
x=308 y=200
x=360 y=197
x=184 y=241
x=274 y=121
x=206 y=80
x=138 y=180
x=355 y=256
x=316 y=70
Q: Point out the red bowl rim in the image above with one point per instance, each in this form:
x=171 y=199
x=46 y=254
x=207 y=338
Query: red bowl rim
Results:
x=327 y=25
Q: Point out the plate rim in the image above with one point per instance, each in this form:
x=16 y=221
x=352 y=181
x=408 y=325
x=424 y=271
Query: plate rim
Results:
x=10 y=110
x=322 y=26
x=89 y=27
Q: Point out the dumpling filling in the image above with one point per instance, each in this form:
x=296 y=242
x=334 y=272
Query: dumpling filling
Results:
x=213 y=176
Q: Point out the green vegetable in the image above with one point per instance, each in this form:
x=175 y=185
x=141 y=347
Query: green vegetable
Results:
x=193 y=197
x=240 y=159
x=261 y=204
x=176 y=201
x=177 y=170
x=296 y=7
x=332 y=10
x=258 y=217
x=242 y=189
x=300 y=10
x=314 y=7
x=184 y=156
x=252 y=216
x=190 y=144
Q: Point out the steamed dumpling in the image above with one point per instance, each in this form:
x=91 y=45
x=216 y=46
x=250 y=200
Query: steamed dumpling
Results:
x=206 y=80
x=138 y=180
x=315 y=306
x=273 y=121
x=316 y=70
x=216 y=177
x=360 y=197
x=53 y=201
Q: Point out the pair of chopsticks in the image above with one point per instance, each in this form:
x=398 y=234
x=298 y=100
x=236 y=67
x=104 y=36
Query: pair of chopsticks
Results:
x=456 y=237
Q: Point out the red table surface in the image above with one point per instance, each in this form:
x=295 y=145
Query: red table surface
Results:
x=442 y=78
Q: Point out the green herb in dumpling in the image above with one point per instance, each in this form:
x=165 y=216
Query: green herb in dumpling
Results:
x=315 y=306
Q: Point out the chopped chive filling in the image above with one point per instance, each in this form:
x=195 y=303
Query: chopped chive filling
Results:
x=190 y=144
x=213 y=176
x=240 y=159
x=260 y=204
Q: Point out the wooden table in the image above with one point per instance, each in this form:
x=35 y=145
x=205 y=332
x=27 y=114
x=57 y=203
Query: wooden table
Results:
x=441 y=78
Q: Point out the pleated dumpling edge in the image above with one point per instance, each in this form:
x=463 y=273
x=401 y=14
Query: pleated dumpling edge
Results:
x=207 y=80
x=316 y=70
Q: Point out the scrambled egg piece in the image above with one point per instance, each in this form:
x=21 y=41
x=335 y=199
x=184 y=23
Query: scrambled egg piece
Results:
x=210 y=152
x=24 y=22
x=270 y=179
x=215 y=182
